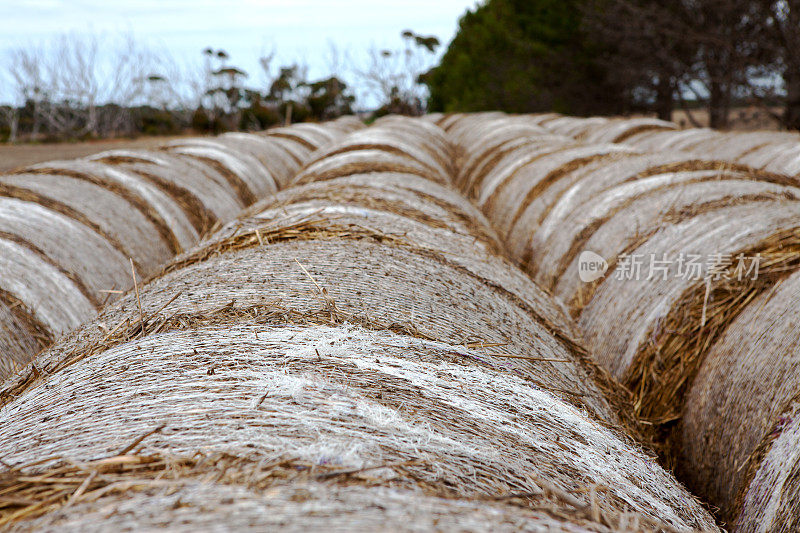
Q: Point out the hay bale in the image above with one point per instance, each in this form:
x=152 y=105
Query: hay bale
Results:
x=21 y=335
x=310 y=505
x=415 y=147
x=486 y=178
x=282 y=164
x=56 y=299
x=365 y=160
x=505 y=195
x=376 y=416
x=738 y=438
x=161 y=209
x=617 y=131
x=652 y=320
x=435 y=157
x=622 y=218
x=204 y=194
x=120 y=223
x=310 y=136
x=88 y=257
x=574 y=127
x=334 y=361
x=247 y=175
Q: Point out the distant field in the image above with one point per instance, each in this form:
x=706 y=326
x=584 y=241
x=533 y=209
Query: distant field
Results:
x=741 y=118
x=13 y=156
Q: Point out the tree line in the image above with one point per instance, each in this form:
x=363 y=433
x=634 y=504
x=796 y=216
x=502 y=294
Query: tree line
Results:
x=585 y=57
x=622 y=56
x=95 y=86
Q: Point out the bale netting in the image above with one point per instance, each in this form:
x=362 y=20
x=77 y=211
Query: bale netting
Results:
x=507 y=190
x=653 y=332
x=331 y=363
x=739 y=438
x=76 y=233
x=205 y=196
x=161 y=209
x=246 y=174
x=130 y=230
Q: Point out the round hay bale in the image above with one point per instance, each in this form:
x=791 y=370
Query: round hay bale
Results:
x=653 y=333
x=409 y=195
x=309 y=505
x=427 y=137
x=57 y=300
x=366 y=160
x=74 y=247
x=246 y=174
x=621 y=218
x=613 y=130
x=581 y=185
x=272 y=154
x=202 y=192
x=494 y=151
x=310 y=136
x=482 y=182
x=119 y=222
x=575 y=127
x=163 y=211
x=783 y=158
x=21 y=335
x=504 y=196
x=434 y=158
x=315 y=358
x=665 y=140
x=330 y=418
x=738 y=437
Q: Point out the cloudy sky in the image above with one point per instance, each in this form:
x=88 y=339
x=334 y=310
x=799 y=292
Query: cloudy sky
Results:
x=294 y=29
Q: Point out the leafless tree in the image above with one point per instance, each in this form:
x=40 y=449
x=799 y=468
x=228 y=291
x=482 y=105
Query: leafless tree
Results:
x=80 y=85
x=392 y=77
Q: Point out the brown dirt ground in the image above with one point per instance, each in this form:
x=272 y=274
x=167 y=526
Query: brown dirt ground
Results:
x=14 y=156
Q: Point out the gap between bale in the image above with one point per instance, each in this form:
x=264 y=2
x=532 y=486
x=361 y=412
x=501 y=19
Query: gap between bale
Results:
x=243 y=192
x=201 y=218
x=664 y=369
x=144 y=207
x=19 y=193
x=39 y=253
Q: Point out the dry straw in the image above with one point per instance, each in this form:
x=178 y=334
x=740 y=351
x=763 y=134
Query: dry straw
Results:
x=351 y=352
x=69 y=229
x=685 y=346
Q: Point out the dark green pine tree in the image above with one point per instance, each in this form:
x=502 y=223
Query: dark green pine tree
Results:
x=523 y=56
